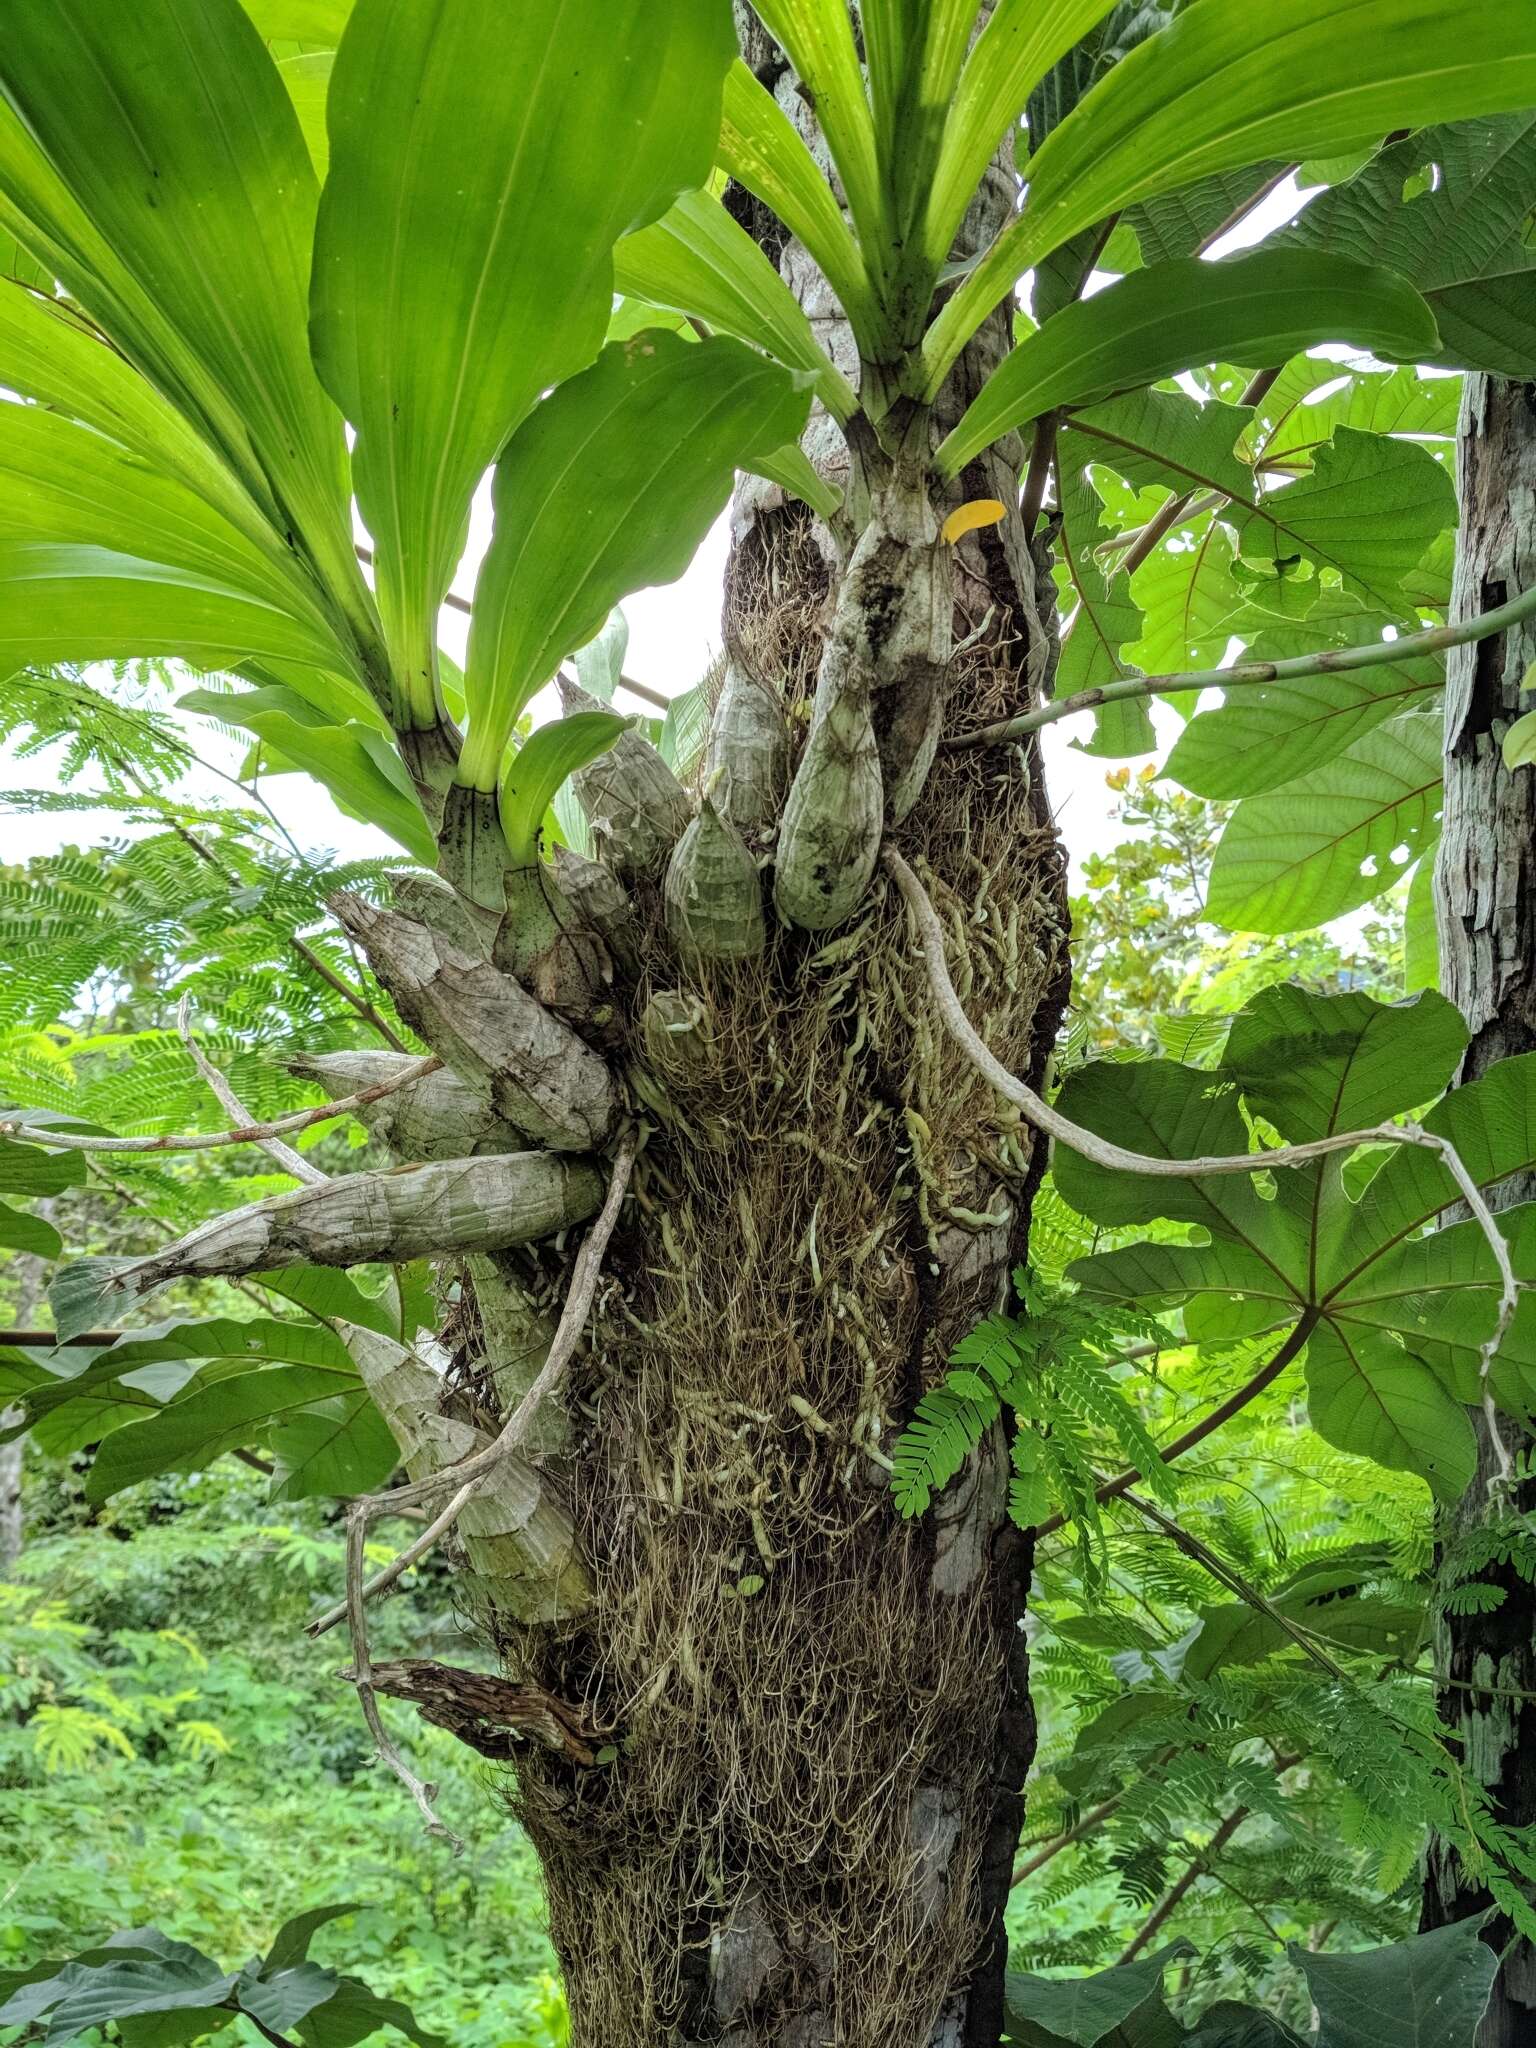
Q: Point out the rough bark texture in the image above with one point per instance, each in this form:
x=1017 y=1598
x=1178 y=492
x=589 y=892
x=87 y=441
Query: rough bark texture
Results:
x=28 y=1275
x=799 y=1829
x=1485 y=887
x=821 y=1712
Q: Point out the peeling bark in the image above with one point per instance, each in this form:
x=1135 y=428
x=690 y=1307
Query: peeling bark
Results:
x=1485 y=892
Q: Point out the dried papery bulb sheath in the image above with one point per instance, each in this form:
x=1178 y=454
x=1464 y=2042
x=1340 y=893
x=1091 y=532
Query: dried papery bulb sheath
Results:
x=635 y=805
x=406 y=1212
x=528 y=1067
x=714 y=894
x=437 y=1117
x=747 y=762
x=830 y=838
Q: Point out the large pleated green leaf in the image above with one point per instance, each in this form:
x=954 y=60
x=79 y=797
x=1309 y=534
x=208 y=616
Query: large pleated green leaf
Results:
x=914 y=51
x=483 y=162
x=64 y=483
x=1225 y=86
x=697 y=260
x=817 y=37
x=157 y=152
x=47 y=355
x=1013 y=53
x=356 y=763
x=1261 y=308
x=1397 y=1309
x=608 y=487
x=1330 y=841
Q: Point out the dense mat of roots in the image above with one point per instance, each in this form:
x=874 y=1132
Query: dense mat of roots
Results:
x=823 y=1209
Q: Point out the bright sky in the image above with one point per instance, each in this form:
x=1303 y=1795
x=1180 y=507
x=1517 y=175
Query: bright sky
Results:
x=674 y=634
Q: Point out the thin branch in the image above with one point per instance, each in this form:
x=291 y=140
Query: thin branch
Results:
x=87 y=1339
x=1330 y=662
x=470 y=1473
x=1117 y=1159
x=1250 y=1390
x=250 y=1134
x=283 y=1155
x=1171 y=1900
x=296 y=945
x=1041 y=455
x=362 y=1678
x=1057 y=1843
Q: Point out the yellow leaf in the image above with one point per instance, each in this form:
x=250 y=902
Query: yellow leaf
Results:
x=973 y=513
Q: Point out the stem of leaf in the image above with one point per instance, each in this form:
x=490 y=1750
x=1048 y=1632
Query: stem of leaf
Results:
x=1197 y=1433
x=1243 y=674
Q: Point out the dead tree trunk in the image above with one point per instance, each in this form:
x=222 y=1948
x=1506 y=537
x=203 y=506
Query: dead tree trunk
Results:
x=1485 y=886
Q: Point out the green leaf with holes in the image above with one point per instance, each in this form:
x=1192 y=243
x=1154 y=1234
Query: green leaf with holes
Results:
x=1336 y=837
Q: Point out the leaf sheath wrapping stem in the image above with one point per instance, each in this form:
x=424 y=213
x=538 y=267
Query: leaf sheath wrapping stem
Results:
x=406 y=1212
x=439 y=1117
x=526 y=1065
x=518 y=1539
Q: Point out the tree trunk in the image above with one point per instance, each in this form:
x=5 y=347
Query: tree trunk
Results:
x=1485 y=888
x=820 y=1712
x=27 y=1273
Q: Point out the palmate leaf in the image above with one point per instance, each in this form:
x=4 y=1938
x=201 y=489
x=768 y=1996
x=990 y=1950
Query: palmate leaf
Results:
x=1190 y=602
x=1163 y=438
x=1297 y=415
x=610 y=485
x=1262 y=308
x=1051 y=2012
x=1398 y=1308
x=1463 y=242
x=1336 y=837
x=1369 y=507
x=1106 y=618
x=468 y=267
x=1221 y=88
x=1427 y=1992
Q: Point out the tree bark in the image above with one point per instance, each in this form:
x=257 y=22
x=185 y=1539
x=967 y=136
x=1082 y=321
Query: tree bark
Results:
x=821 y=1713
x=28 y=1274
x=1485 y=892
